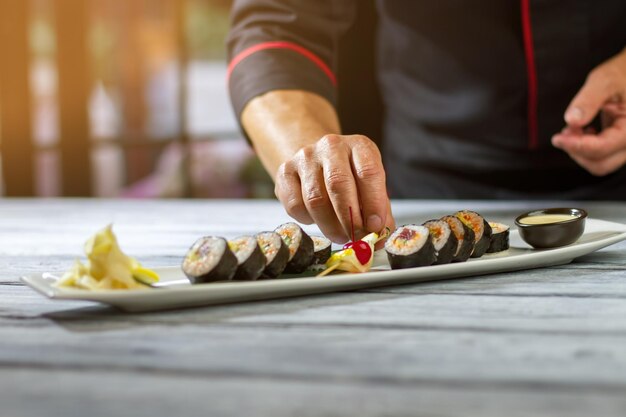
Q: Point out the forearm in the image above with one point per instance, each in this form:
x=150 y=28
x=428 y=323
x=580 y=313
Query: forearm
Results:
x=281 y=122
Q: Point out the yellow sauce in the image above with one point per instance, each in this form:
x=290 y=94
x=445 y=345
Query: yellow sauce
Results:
x=547 y=218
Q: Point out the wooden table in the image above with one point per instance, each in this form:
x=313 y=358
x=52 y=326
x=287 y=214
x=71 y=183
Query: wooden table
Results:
x=546 y=342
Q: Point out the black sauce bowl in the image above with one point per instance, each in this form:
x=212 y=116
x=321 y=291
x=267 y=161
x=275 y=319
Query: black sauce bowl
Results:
x=555 y=234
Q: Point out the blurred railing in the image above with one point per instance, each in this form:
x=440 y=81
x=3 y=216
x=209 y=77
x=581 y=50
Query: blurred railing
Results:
x=119 y=98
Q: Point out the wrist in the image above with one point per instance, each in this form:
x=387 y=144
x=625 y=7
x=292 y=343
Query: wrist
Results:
x=282 y=122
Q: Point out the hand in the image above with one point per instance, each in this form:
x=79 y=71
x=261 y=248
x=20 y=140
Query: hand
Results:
x=323 y=180
x=604 y=91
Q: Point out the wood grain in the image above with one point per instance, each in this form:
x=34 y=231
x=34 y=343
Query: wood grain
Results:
x=544 y=342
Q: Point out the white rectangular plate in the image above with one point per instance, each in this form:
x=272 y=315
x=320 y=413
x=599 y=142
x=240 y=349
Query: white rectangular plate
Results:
x=598 y=234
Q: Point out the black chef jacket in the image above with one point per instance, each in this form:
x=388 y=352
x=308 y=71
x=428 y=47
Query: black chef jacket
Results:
x=472 y=90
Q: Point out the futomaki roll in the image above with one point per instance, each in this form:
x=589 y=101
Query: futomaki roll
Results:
x=275 y=251
x=499 y=237
x=464 y=236
x=300 y=247
x=410 y=246
x=482 y=230
x=444 y=241
x=209 y=259
x=321 y=249
x=250 y=258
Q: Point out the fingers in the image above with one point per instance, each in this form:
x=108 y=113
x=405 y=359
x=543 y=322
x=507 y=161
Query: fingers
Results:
x=603 y=84
x=592 y=146
x=600 y=154
x=604 y=91
x=602 y=167
x=340 y=183
x=323 y=182
x=370 y=178
x=315 y=196
x=288 y=191
x=389 y=223
x=357 y=181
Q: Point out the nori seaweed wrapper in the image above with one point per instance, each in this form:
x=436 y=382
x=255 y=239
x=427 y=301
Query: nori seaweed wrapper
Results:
x=250 y=268
x=209 y=259
x=465 y=238
x=444 y=240
x=481 y=228
x=322 y=248
x=423 y=255
x=499 y=237
x=302 y=255
x=277 y=264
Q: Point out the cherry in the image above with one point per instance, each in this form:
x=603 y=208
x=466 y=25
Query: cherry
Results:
x=362 y=250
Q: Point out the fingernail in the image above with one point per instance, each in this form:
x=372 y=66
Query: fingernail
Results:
x=338 y=239
x=374 y=223
x=575 y=114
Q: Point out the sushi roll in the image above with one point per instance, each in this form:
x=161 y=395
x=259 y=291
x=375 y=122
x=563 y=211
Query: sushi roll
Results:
x=410 y=246
x=499 y=237
x=250 y=258
x=482 y=231
x=444 y=240
x=209 y=259
x=300 y=247
x=275 y=251
x=464 y=236
x=321 y=249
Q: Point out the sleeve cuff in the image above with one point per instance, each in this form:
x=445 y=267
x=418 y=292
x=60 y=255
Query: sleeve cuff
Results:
x=278 y=68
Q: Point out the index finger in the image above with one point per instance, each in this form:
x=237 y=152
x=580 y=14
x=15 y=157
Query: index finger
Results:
x=371 y=183
x=390 y=223
x=600 y=146
x=343 y=192
x=599 y=87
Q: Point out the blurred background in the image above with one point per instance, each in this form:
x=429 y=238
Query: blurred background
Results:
x=128 y=98
x=120 y=98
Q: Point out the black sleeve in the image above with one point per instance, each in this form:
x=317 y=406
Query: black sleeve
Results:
x=285 y=44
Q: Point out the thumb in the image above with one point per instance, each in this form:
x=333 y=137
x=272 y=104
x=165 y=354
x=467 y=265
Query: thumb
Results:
x=598 y=88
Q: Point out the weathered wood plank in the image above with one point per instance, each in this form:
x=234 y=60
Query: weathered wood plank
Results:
x=143 y=394
x=572 y=343
x=482 y=313
x=587 y=281
x=405 y=360
x=402 y=357
x=539 y=342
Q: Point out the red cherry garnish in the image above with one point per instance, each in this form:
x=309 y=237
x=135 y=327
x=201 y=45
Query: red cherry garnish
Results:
x=362 y=250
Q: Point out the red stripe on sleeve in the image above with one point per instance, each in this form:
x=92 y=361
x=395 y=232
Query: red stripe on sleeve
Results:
x=282 y=45
x=531 y=71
